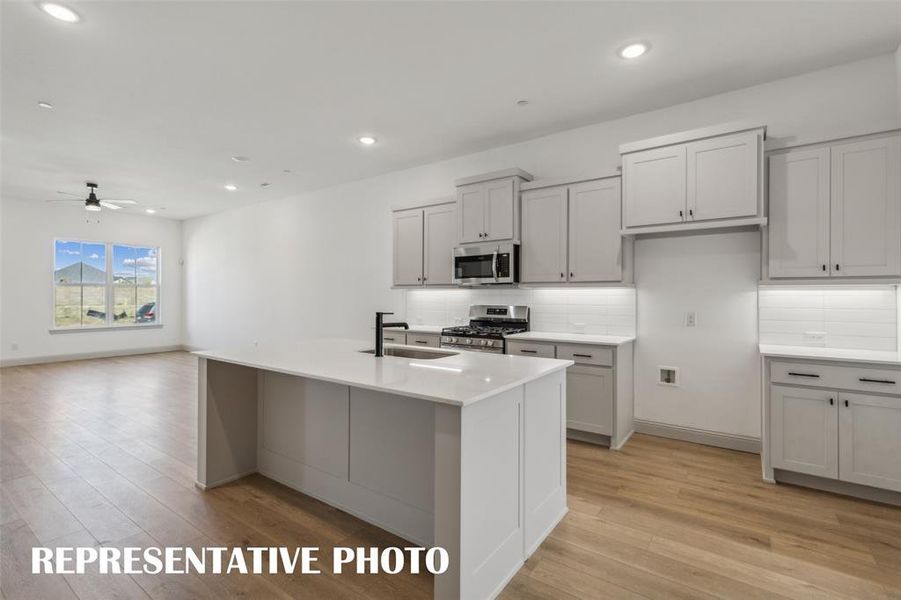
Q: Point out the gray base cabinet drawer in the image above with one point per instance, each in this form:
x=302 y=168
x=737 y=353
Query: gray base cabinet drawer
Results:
x=887 y=381
x=423 y=339
x=530 y=349
x=586 y=355
x=394 y=338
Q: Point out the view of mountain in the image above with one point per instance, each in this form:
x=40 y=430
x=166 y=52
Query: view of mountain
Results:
x=79 y=273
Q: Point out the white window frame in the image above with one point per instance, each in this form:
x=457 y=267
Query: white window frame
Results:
x=109 y=288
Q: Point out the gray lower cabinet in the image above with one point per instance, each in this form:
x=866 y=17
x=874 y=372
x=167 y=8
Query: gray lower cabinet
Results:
x=394 y=337
x=598 y=388
x=429 y=340
x=840 y=422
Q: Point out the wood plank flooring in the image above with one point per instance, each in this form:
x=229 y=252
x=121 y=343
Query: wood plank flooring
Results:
x=103 y=452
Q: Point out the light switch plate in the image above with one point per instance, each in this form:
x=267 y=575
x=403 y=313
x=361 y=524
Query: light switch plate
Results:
x=691 y=319
x=815 y=337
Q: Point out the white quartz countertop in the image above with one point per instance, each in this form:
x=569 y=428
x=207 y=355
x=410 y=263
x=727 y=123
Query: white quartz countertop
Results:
x=885 y=357
x=571 y=338
x=462 y=379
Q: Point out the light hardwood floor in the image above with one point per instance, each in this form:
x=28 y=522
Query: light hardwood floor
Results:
x=103 y=452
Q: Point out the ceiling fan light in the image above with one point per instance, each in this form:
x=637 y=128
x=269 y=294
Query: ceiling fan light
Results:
x=92 y=207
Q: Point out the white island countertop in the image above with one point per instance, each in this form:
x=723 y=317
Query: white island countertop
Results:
x=462 y=379
x=883 y=357
x=571 y=338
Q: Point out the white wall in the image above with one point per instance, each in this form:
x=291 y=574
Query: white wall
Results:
x=28 y=231
x=320 y=264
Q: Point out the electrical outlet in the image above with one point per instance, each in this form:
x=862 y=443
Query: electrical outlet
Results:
x=691 y=319
x=815 y=337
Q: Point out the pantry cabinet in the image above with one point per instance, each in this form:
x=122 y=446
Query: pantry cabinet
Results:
x=424 y=240
x=571 y=233
x=835 y=210
x=488 y=206
x=694 y=177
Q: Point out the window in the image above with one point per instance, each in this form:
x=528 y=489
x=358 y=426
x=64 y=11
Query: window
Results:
x=97 y=284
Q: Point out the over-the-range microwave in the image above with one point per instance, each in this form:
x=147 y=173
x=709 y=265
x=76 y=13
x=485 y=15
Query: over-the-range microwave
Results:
x=486 y=264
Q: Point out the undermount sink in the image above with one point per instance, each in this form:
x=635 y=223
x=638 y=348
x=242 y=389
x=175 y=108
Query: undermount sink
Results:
x=414 y=353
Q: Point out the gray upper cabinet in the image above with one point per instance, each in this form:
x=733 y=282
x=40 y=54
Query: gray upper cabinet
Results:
x=440 y=226
x=654 y=186
x=799 y=214
x=706 y=175
x=543 y=251
x=866 y=207
x=571 y=233
x=488 y=207
x=835 y=210
x=595 y=242
x=408 y=247
x=424 y=240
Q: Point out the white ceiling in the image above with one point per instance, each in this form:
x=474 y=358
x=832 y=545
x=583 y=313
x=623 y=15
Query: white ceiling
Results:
x=153 y=98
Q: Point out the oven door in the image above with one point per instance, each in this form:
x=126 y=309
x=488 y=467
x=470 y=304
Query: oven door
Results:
x=484 y=264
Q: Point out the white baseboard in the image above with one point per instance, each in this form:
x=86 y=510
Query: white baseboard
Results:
x=730 y=441
x=37 y=360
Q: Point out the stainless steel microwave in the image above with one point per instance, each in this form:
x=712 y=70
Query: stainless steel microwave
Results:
x=486 y=264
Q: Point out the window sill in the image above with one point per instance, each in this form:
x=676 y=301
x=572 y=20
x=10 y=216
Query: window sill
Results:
x=55 y=330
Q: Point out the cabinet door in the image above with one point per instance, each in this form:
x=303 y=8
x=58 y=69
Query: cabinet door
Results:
x=470 y=213
x=723 y=177
x=543 y=250
x=499 y=213
x=408 y=247
x=654 y=186
x=438 y=245
x=589 y=399
x=866 y=207
x=870 y=440
x=804 y=430
x=799 y=214
x=595 y=243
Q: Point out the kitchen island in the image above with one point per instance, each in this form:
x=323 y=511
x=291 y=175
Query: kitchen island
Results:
x=465 y=452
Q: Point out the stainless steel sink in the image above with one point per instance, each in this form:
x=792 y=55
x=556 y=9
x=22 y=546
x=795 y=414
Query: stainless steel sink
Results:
x=414 y=353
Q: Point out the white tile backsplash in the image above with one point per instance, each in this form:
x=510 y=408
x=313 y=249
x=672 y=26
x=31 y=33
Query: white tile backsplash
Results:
x=860 y=317
x=599 y=311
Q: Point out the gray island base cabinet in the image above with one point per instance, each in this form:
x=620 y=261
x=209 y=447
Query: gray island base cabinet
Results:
x=469 y=456
x=833 y=425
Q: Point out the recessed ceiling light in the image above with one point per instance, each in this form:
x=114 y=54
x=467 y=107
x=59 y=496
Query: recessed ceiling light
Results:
x=58 y=11
x=46 y=105
x=522 y=103
x=149 y=211
x=633 y=50
x=265 y=184
x=286 y=170
x=231 y=187
x=367 y=140
x=240 y=158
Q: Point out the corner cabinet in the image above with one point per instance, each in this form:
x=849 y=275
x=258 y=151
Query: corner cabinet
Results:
x=711 y=176
x=488 y=207
x=833 y=420
x=424 y=240
x=835 y=210
x=571 y=233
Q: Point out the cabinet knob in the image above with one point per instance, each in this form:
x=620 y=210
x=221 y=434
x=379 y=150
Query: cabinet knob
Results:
x=424 y=279
x=419 y=279
x=681 y=215
x=846 y=404
x=824 y=267
x=836 y=266
x=571 y=274
x=562 y=275
x=831 y=401
x=691 y=212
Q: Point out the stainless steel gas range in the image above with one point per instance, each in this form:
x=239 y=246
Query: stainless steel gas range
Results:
x=488 y=324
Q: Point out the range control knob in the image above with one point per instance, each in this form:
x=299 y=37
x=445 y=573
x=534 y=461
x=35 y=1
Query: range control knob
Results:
x=451 y=340
x=483 y=342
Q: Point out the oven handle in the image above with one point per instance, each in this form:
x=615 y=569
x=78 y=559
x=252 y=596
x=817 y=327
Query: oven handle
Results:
x=494 y=264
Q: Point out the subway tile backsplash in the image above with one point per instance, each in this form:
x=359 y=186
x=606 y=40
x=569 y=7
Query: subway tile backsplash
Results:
x=833 y=317
x=599 y=311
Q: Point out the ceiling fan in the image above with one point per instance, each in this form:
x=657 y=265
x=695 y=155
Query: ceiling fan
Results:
x=92 y=202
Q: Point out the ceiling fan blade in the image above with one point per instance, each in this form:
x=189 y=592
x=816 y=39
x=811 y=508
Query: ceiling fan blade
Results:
x=66 y=200
x=120 y=200
x=106 y=204
x=71 y=194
